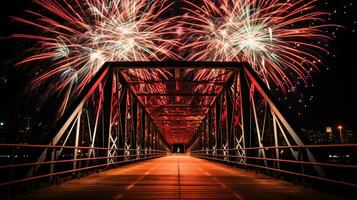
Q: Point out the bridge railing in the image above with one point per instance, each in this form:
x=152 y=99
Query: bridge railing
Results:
x=19 y=166
x=338 y=161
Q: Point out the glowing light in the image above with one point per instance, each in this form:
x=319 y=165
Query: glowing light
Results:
x=271 y=34
x=96 y=56
x=76 y=38
x=275 y=37
x=250 y=42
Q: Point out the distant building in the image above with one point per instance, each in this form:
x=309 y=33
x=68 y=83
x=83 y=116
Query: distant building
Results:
x=329 y=136
x=18 y=132
x=349 y=136
x=316 y=137
x=25 y=125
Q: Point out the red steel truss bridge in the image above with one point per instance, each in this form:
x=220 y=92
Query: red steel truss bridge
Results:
x=120 y=137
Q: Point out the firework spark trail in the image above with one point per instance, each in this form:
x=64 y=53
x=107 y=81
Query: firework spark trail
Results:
x=275 y=37
x=78 y=37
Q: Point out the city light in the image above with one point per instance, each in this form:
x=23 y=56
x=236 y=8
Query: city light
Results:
x=341 y=137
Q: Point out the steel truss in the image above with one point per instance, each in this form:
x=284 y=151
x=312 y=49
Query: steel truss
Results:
x=116 y=119
x=243 y=125
x=108 y=119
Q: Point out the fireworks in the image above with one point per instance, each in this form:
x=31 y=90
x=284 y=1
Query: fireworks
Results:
x=275 y=37
x=77 y=37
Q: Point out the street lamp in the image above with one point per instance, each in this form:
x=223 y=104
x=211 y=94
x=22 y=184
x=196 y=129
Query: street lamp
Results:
x=341 y=138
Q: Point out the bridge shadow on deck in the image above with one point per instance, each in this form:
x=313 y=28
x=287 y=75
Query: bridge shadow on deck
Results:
x=176 y=177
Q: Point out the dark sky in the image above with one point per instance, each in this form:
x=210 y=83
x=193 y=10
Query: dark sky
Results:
x=329 y=100
x=334 y=88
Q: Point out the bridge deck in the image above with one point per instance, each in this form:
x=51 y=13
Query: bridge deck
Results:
x=176 y=177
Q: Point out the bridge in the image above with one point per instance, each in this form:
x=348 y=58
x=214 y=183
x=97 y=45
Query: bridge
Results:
x=175 y=130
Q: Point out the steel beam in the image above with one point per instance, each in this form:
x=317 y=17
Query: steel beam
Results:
x=107 y=112
x=176 y=94
x=210 y=120
x=172 y=64
x=150 y=106
x=134 y=112
x=218 y=122
x=123 y=118
x=246 y=113
x=230 y=123
x=142 y=128
x=199 y=82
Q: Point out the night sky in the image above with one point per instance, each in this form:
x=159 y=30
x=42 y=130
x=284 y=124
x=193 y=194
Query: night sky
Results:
x=330 y=98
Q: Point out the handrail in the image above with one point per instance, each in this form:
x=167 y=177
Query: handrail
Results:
x=67 y=160
x=284 y=160
x=287 y=164
x=127 y=155
x=285 y=171
x=155 y=155
x=61 y=147
x=289 y=147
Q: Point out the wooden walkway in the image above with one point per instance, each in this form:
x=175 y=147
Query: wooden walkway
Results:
x=175 y=177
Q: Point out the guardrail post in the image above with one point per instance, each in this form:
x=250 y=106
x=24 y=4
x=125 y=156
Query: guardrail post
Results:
x=53 y=156
x=11 y=172
x=75 y=153
x=301 y=158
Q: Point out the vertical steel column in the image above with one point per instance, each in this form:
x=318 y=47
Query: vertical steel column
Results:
x=199 y=147
x=200 y=132
x=205 y=125
x=210 y=118
x=224 y=125
x=218 y=123
x=276 y=141
x=148 y=142
x=199 y=138
x=107 y=112
x=202 y=136
x=203 y=132
x=142 y=128
x=152 y=136
x=123 y=109
x=230 y=123
x=75 y=153
x=134 y=112
x=246 y=112
x=157 y=139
